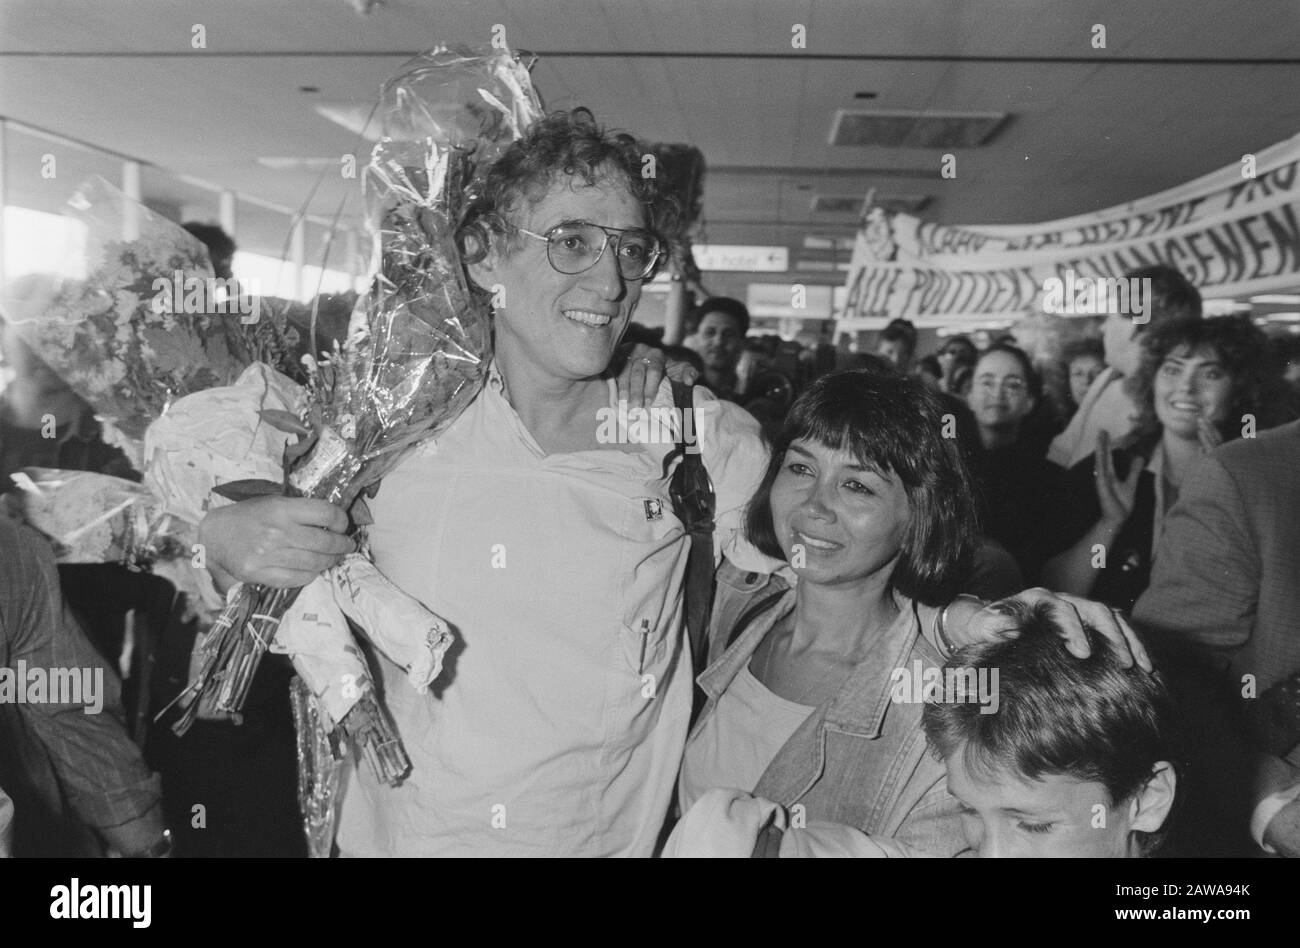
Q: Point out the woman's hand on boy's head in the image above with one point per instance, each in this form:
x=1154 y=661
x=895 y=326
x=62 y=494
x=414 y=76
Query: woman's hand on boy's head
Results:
x=1071 y=614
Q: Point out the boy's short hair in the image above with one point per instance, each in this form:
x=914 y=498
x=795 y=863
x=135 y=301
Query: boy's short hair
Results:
x=1091 y=719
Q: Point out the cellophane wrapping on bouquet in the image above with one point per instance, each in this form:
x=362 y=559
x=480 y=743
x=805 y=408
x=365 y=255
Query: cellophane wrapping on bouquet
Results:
x=418 y=347
x=96 y=518
x=218 y=437
x=117 y=334
x=319 y=766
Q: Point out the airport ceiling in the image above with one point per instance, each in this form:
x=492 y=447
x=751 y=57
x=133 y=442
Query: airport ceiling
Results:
x=1180 y=89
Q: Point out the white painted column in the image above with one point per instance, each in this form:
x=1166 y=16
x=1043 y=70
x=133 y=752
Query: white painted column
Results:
x=226 y=205
x=4 y=193
x=298 y=255
x=351 y=254
x=131 y=188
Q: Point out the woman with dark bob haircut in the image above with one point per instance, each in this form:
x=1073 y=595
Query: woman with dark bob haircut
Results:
x=870 y=507
x=1198 y=384
x=890 y=427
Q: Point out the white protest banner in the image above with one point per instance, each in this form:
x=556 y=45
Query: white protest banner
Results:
x=1235 y=231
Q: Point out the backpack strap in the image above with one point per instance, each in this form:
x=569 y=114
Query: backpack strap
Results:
x=694 y=504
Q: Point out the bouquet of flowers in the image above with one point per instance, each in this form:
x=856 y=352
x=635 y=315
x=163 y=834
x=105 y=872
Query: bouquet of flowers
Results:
x=97 y=518
x=417 y=350
x=142 y=328
x=217 y=436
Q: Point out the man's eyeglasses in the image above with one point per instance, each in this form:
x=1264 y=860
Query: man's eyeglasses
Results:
x=577 y=246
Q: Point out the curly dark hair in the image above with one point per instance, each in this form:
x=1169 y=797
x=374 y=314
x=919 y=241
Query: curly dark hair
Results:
x=1240 y=346
x=569 y=144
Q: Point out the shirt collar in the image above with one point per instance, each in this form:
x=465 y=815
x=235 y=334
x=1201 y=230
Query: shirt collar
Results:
x=860 y=705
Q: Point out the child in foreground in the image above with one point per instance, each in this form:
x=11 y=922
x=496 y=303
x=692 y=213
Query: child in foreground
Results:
x=1076 y=762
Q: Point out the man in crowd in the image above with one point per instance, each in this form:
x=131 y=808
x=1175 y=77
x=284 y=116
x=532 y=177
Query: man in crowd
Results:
x=1224 y=580
x=898 y=345
x=68 y=765
x=1108 y=406
x=717 y=332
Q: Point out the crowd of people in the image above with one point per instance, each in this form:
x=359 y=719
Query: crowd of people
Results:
x=869 y=664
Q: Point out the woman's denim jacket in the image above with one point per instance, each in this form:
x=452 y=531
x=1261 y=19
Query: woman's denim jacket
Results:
x=860 y=759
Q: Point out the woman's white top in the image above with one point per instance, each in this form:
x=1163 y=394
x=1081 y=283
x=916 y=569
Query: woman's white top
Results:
x=743 y=735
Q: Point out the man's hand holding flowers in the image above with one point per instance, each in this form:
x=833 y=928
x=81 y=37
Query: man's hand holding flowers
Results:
x=277 y=541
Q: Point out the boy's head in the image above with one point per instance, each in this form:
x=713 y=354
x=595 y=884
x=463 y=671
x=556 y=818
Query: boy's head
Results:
x=1075 y=762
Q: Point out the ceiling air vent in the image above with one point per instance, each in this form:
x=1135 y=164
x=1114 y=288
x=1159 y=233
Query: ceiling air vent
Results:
x=894 y=129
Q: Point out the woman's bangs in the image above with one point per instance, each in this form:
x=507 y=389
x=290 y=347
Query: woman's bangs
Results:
x=841 y=429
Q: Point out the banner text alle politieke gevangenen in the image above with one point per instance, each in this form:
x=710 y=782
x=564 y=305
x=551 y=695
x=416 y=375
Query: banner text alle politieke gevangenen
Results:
x=1233 y=232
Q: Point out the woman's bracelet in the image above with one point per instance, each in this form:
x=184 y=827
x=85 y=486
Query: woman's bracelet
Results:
x=941 y=629
x=941 y=626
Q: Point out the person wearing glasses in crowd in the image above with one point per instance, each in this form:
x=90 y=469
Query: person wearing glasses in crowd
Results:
x=558 y=725
x=1016 y=486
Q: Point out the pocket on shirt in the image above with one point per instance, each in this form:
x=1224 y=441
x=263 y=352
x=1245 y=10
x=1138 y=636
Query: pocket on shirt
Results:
x=657 y=533
x=645 y=651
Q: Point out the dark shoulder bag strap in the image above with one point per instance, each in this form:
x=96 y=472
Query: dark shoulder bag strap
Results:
x=693 y=500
